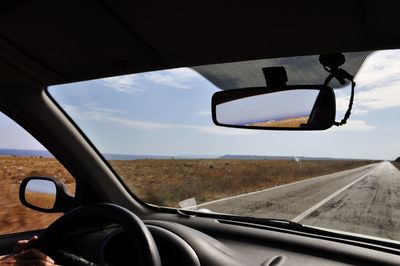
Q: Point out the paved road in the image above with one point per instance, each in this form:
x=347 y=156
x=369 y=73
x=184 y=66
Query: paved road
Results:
x=364 y=200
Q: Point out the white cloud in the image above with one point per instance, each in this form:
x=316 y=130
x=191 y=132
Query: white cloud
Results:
x=203 y=113
x=354 y=125
x=180 y=78
x=342 y=103
x=125 y=83
x=384 y=97
x=222 y=131
x=137 y=124
x=380 y=67
x=377 y=86
x=107 y=116
x=105 y=110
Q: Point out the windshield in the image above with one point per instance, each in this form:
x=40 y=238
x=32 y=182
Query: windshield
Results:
x=156 y=131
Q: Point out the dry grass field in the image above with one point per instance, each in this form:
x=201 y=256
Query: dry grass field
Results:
x=166 y=182
x=40 y=199
x=290 y=122
x=163 y=182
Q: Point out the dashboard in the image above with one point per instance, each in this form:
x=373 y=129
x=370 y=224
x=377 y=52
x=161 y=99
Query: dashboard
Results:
x=215 y=243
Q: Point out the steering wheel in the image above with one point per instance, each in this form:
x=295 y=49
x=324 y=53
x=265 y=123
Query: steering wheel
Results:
x=71 y=221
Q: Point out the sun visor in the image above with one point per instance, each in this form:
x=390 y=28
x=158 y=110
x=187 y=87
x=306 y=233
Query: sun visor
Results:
x=300 y=70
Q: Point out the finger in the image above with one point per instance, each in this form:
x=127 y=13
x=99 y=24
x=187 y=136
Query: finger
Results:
x=33 y=254
x=20 y=246
x=33 y=262
x=23 y=244
x=7 y=260
x=33 y=239
x=17 y=262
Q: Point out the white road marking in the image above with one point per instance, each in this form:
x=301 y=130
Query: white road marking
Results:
x=272 y=188
x=325 y=200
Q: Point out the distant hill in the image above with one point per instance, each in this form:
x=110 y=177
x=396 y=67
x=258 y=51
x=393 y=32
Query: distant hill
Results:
x=133 y=157
x=255 y=157
x=108 y=156
x=260 y=157
x=155 y=157
x=27 y=153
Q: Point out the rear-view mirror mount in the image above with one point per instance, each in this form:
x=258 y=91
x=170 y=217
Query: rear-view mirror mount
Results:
x=301 y=107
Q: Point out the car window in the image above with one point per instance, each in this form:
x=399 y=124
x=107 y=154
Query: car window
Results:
x=156 y=131
x=22 y=156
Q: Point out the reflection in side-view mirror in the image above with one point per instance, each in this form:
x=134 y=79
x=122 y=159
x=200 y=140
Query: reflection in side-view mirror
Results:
x=289 y=108
x=41 y=193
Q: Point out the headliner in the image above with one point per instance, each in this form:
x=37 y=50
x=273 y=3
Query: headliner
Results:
x=51 y=42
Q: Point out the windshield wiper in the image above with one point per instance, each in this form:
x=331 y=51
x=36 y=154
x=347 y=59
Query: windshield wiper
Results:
x=268 y=221
x=265 y=221
x=246 y=219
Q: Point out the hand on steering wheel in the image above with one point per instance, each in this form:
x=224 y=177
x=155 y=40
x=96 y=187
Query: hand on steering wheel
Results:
x=102 y=212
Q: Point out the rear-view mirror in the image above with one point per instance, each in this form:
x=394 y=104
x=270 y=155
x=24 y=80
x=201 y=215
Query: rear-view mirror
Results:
x=305 y=107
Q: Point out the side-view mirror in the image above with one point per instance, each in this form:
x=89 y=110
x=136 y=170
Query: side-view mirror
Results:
x=304 y=107
x=45 y=194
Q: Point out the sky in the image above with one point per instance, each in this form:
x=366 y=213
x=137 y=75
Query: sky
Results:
x=42 y=186
x=169 y=113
